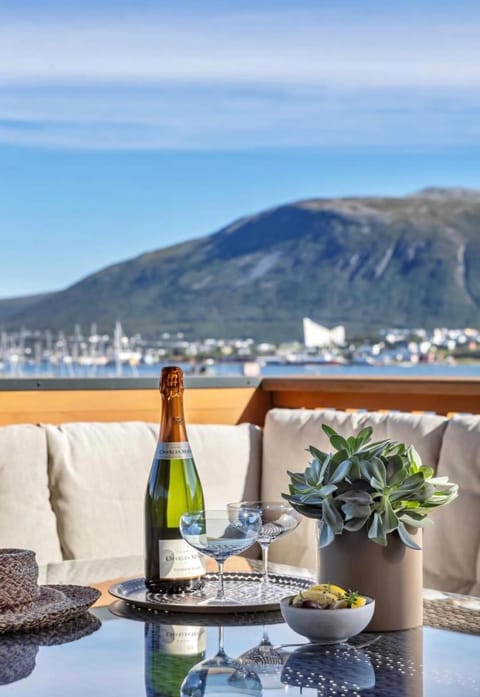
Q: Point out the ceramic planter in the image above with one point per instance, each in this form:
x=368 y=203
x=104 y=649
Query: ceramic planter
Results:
x=393 y=575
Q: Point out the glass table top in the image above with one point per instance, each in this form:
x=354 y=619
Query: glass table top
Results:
x=179 y=654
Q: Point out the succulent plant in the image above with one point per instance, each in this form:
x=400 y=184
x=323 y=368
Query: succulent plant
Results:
x=380 y=486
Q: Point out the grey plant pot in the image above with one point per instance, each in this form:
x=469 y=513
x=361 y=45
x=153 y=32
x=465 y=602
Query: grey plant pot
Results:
x=393 y=575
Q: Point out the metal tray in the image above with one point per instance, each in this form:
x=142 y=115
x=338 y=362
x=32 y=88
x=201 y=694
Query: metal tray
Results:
x=245 y=588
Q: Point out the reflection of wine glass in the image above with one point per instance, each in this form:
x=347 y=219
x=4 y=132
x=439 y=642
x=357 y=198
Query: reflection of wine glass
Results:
x=278 y=519
x=266 y=660
x=221 y=675
x=221 y=534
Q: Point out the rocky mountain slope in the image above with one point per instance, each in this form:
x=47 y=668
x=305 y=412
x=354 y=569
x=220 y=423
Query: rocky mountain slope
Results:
x=363 y=262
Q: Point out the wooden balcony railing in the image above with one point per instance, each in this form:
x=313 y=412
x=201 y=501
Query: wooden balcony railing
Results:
x=227 y=400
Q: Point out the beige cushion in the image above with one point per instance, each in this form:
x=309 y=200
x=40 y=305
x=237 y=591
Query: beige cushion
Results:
x=288 y=432
x=99 y=471
x=26 y=516
x=452 y=545
x=98 y=474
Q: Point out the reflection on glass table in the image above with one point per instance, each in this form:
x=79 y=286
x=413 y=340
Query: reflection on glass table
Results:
x=170 y=651
x=220 y=534
x=266 y=660
x=329 y=670
x=122 y=659
x=18 y=650
x=388 y=664
x=221 y=675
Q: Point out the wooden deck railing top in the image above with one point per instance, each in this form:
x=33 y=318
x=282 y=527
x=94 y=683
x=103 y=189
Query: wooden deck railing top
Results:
x=228 y=400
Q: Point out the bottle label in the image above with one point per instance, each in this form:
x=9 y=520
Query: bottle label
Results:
x=173 y=451
x=178 y=560
x=182 y=640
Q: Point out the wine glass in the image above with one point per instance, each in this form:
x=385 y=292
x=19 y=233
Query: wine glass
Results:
x=266 y=660
x=221 y=675
x=278 y=519
x=221 y=534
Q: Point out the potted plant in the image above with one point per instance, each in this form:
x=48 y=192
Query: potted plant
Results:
x=371 y=501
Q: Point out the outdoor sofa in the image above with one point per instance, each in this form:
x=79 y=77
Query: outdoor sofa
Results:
x=74 y=492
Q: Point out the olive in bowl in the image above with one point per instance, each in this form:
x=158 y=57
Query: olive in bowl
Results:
x=327 y=617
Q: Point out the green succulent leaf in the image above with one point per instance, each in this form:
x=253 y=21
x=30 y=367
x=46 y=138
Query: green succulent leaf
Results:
x=375 y=449
x=376 y=531
x=356 y=524
x=317 y=454
x=296 y=478
x=331 y=516
x=374 y=469
x=328 y=430
x=340 y=472
x=414 y=459
x=396 y=470
x=355 y=496
x=355 y=471
x=405 y=537
x=355 y=510
x=389 y=518
x=326 y=534
x=363 y=437
x=321 y=493
x=414 y=522
x=338 y=442
x=352 y=444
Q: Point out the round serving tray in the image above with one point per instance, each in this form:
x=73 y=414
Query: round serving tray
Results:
x=244 y=588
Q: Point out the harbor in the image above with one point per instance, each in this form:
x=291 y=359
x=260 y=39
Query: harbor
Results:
x=35 y=353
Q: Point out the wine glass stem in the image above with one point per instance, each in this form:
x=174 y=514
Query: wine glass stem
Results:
x=221 y=650
x=220 y=588
x=265 y=564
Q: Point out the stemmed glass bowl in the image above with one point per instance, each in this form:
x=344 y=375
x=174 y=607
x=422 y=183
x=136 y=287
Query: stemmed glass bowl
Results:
x=278 y=519
x=221 y=675
x=221 y=534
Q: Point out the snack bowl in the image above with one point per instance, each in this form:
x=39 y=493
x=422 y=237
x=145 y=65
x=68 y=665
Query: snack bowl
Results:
x=324 y=626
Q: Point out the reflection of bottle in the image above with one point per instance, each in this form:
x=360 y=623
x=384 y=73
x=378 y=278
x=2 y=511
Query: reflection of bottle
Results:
x=171 y=565
x=170 y=652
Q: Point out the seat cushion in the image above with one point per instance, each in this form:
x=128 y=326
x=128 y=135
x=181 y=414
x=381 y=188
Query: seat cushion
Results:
x=289 y=432
x=98 y=476
x=27 y=519
x=452 y=544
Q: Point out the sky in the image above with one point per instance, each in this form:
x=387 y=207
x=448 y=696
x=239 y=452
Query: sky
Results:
x=131 y=125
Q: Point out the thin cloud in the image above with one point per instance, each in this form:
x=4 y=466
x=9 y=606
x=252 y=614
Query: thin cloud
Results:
x=237 y=80
x=240 y=51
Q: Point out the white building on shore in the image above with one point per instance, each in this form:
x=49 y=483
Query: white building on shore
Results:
x=317 y=336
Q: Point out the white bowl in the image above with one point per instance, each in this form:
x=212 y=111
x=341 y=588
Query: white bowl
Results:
x=327 y=626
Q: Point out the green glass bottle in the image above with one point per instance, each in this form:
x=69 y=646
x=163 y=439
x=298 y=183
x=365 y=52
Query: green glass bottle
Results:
x=171 y=565
x=170 y=652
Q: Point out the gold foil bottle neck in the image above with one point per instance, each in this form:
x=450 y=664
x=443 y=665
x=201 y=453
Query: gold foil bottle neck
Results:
x=171 y=382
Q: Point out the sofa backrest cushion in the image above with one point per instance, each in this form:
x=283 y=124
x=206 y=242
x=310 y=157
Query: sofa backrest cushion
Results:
x=287 y=434
x=452 y=544
x=98 y=474
x=26 y=516
x=97 y=477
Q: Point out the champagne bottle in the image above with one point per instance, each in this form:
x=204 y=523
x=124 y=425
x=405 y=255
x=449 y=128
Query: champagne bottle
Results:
x=170 y=652
x=171 y=565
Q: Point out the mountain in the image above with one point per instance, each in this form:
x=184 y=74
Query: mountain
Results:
x=362 y=262
x=12 y=306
